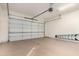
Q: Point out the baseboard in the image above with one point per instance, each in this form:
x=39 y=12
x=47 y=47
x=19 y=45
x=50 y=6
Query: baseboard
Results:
x=3 y=42
x=27 y=39
x=64 y=40
x=46 y=37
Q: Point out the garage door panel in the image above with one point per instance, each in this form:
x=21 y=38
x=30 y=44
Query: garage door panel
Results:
x=20 y=29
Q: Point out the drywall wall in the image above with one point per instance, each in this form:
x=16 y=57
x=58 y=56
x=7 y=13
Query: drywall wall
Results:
x=3 y=23
x=67 y=24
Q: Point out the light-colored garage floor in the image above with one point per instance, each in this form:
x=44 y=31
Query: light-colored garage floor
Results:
x=40 y=47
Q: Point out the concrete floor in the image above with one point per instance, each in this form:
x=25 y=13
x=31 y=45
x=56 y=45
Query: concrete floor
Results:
x=40 y=47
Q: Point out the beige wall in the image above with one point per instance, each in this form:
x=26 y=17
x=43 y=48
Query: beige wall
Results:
x=68 y=24
x=3 y=23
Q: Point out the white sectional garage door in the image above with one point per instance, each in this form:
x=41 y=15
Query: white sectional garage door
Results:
x=21 y=29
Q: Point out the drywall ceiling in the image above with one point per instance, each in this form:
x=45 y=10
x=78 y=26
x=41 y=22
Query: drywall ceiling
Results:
x=33 y=9
x=29 y=8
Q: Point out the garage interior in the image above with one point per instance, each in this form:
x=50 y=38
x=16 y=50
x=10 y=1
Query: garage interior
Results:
x=39 y=29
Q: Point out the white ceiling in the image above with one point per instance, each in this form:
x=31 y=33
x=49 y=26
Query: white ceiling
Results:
x=33 y=9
